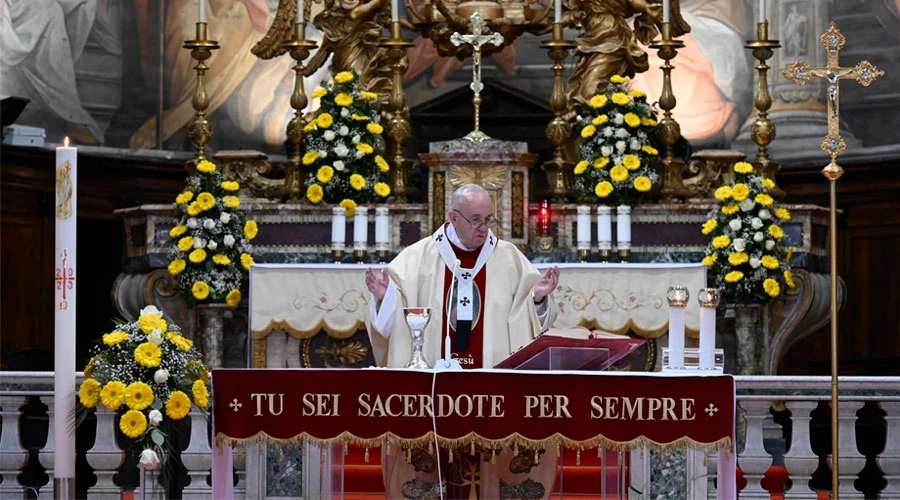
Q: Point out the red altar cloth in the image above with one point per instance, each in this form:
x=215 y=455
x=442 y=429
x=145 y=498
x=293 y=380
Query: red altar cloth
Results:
x=486 y=407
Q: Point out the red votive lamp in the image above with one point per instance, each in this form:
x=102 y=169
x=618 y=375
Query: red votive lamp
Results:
x=544 y=218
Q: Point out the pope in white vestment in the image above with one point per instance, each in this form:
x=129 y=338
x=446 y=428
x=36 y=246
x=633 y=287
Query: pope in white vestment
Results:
x=498 y=303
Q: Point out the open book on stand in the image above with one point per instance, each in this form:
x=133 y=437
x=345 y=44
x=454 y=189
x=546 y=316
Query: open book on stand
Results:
x=561 y=350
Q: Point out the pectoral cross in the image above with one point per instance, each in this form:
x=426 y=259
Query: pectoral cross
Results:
x=476 y=40
x=864 y=73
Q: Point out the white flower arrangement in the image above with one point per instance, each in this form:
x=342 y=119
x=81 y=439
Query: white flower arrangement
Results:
x=209 y=246
x=746 y=253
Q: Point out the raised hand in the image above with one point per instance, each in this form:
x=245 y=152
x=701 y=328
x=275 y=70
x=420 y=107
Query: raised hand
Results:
x=546 y=284
x=378 y=286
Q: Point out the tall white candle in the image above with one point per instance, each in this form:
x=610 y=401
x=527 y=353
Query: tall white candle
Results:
x=666 y=8
x=338 y=228
x=64 y=306
x=382 y=228
x=300 y=17
x=762 y=11
x=361 y=228
x=583 y=227
x=677 y=297
x=604 y=227
x=395 y=11
x=557 y=11
x=623 y=227
x=201 y=15
x=709 y=301
x=676 y=336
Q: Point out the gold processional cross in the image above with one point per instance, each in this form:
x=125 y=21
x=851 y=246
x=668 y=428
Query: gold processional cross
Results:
x=864 y=73
x=476 y=40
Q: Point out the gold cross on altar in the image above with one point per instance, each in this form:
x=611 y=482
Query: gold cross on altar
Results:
x=864 y=73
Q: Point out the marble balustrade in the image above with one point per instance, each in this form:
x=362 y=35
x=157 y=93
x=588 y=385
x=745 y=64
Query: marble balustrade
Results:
x=782 y=422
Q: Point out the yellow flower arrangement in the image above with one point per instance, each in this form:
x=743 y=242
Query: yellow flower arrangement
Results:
x=144 y=370
x=747 y=253
x=344 y=146
x=618 y=153
x=209 y=226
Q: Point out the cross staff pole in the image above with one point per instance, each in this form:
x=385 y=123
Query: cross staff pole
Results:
x=476 y=39
x=864 y=73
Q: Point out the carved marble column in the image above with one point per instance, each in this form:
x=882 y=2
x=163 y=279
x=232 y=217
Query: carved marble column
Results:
x=851 y=461
x=211 y=328
x=755 y=460
x=889 y=460
x=12 y=455
x=105 y=457
x=45 y=456
x=197 y=458
x=800 y=461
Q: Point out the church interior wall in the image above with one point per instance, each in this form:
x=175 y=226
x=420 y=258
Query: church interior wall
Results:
x=121 y=98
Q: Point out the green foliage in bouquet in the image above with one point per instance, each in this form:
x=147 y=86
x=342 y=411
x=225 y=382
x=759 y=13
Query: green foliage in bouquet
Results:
x=618 y=147
x=343 y=146
x=209 y=247
x=149 y=373
x=747 y=253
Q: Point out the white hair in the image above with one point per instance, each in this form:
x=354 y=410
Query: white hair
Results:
x=465 y=193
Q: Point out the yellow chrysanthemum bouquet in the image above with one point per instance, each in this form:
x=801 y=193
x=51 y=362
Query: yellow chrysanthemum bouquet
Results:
x=209 y=247
x=618 y=146
x=343 y=146
x=151 y=375
x=747 y=252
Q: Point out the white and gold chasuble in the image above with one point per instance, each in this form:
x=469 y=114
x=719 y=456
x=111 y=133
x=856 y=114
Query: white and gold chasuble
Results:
x=417 y=274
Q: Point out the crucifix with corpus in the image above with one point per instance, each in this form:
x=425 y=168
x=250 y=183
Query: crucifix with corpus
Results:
x=864 y=73
x=476 y=39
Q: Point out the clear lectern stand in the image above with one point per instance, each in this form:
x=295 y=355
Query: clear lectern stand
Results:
x=603 y=474
x=568 y=358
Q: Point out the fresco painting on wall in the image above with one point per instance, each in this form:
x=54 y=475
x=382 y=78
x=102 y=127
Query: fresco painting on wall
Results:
x=111 y=48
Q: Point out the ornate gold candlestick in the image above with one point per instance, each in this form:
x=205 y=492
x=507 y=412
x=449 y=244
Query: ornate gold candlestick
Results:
x=763 y=130
x=199 y=129
x=559 y=171
x=398 y=128
x=299 y=49
x=671 y=181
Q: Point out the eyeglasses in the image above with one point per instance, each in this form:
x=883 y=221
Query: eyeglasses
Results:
x=477 y=223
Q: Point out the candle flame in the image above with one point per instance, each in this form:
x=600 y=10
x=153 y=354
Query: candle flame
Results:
x=66 y=141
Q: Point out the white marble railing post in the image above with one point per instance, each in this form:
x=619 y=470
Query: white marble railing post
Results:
x=12 y=455
x=240 y=470
x=755 y=460
x=639 y=468
x=46 y=455
x=889 y=459
x=105 y=457
x=712 y=470
x=197 y=458
x=800 y=461
x=851 y=461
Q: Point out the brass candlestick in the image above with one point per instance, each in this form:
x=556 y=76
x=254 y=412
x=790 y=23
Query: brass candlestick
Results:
x=672 y=185
x=763 y=130
x=559 y=171
x=299 y=49
x=199 y=129
x=398 y=128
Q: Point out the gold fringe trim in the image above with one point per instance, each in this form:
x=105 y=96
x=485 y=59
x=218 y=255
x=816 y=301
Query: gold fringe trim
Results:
x=471 y=440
